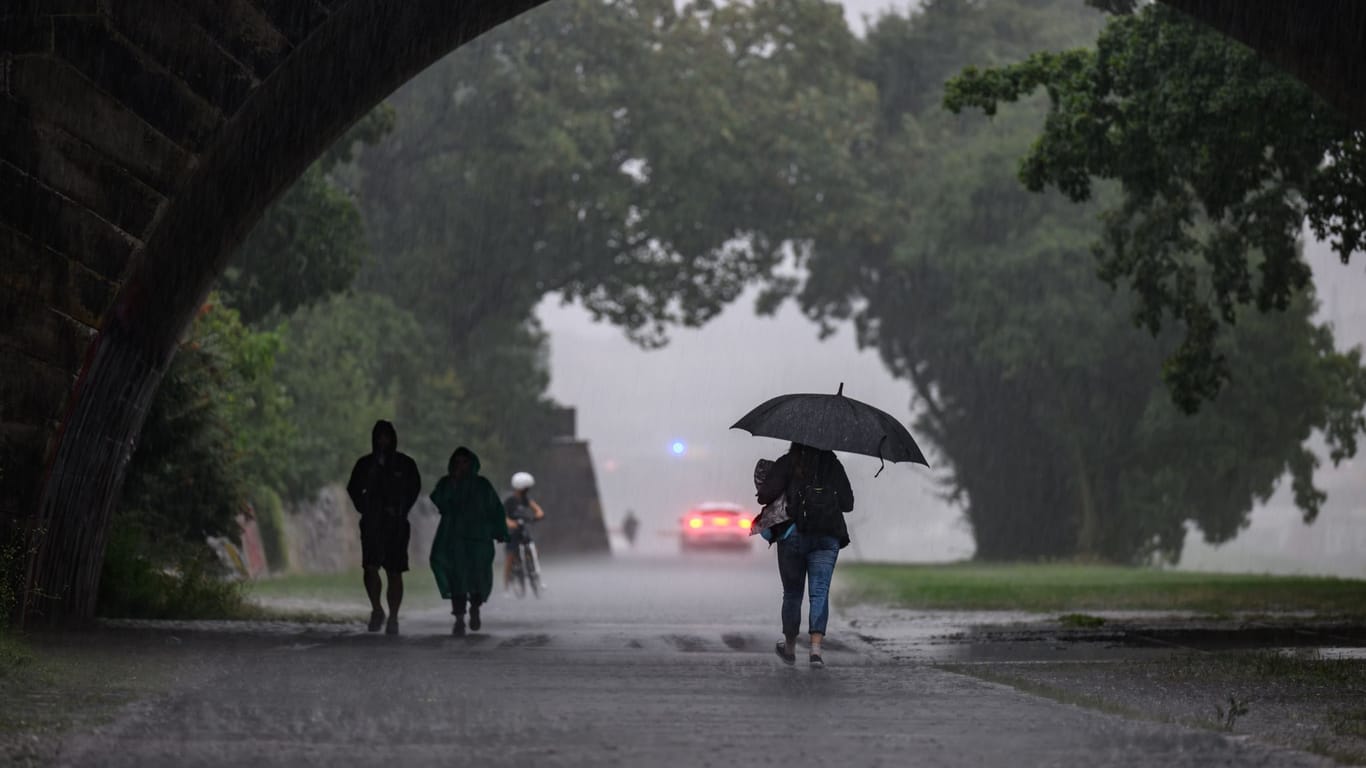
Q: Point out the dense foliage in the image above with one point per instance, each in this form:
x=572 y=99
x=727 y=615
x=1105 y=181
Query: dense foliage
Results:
x=212 y=427
x=310 y=243
x=1222 y=157
x=646 y=160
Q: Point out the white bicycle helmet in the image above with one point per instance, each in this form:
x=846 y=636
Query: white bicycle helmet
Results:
x=522 y=481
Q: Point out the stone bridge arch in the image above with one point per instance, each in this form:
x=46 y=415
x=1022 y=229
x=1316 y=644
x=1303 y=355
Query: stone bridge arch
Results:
x=141 y=139
x=139 y=142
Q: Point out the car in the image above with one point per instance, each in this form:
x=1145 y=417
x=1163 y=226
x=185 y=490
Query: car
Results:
x=716 y=525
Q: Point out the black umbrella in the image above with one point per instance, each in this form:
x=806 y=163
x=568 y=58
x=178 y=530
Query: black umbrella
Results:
x=834 y=423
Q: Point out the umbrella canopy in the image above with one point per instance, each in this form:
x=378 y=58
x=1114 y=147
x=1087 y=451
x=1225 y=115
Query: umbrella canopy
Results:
x=835 y=423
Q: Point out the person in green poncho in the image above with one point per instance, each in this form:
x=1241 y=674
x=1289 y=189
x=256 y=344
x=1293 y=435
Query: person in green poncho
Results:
x=472 y=519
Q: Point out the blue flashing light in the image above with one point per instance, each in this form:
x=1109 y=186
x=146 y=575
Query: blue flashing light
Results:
x=678 y=448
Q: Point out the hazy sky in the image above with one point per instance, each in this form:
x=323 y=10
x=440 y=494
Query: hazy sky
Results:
x=856 y=10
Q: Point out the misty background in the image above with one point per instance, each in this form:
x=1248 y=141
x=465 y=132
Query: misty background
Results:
x=634 y=404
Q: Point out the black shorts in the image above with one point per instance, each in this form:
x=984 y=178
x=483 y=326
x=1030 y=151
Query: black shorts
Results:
x=384 y=542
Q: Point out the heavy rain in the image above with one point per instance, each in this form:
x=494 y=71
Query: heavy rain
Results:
x=682 y=382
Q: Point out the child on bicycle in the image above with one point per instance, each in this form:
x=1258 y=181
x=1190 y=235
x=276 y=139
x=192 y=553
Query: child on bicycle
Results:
x=521 y=509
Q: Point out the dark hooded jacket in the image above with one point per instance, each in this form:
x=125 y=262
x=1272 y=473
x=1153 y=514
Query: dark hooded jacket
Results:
x=384 y=483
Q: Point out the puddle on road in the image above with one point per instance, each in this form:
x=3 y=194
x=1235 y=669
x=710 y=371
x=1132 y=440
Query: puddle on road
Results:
x=937 y=637
x=1324 y=654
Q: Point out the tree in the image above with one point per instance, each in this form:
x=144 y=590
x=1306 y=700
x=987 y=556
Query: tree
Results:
x=646 y=160
x=213 y=430
x=342 y=363
x=1219 y=154
x=310 y=243
x=195 y=458
x=353 y=359
x=1043 y=399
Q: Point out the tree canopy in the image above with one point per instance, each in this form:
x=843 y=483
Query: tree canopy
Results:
x=1046 y=403
x=310 y=244
x=1222 y=160
x=645 y=159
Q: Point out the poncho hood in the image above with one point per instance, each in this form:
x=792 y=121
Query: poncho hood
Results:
x=463 y=451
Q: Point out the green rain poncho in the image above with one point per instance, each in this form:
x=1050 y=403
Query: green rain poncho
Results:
x=472 y=518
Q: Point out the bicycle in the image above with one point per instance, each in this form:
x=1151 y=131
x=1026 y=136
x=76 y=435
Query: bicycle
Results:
x=526 y=567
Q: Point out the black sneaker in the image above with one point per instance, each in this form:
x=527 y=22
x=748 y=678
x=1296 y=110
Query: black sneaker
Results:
x=376 y=620
x=817 y=662
x=459 y=629
x=474 y=618
x=392 y=627
x=788 y=658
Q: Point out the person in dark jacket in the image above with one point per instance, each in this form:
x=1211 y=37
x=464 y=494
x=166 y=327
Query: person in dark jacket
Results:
x=384 y=485
x=813 y=481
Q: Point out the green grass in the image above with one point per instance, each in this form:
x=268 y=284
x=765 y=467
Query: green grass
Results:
x=1068 y=587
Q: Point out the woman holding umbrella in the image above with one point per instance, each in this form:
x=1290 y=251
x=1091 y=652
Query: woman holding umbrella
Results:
x=818 y=495
x=472 y=518
x=815 y=489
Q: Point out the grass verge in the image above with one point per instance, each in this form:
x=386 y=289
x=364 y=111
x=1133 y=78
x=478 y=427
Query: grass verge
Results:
x=1069 y=587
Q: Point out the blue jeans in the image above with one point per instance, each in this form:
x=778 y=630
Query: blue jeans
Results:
x=802 y=558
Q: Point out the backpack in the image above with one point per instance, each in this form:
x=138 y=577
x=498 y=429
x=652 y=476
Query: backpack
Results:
x=817 y=511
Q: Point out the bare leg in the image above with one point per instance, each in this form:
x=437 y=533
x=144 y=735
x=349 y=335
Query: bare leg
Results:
x=816 y=638
x=372 y=587
x=395 y=591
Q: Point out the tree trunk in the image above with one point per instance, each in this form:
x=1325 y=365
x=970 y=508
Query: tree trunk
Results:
x=1088 y=524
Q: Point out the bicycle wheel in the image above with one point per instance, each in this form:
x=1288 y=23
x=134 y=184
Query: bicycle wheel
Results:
x=518 y=575
x=533 y=569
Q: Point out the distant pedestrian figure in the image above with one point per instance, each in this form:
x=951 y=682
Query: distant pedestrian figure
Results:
x=462 y=553
x=817 y=493
x=384 y=485
x=629 y=526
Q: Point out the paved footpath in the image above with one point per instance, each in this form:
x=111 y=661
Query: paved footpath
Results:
x=627 y=663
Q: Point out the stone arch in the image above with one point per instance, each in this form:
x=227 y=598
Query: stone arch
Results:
x=142 y=139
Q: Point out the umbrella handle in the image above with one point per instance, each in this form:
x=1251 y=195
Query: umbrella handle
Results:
x=879 y=453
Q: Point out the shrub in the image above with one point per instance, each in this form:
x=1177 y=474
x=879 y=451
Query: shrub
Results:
x=270 y=520
x=134 y=586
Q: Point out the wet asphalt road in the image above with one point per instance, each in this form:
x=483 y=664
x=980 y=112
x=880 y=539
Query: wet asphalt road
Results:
x=629 y=663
